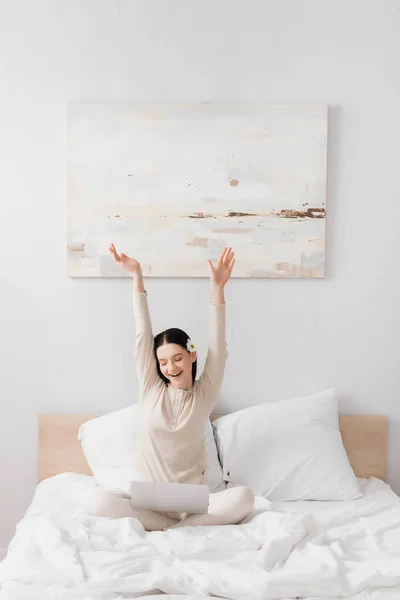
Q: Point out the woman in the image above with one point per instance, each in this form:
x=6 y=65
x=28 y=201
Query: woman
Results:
x=174 y=407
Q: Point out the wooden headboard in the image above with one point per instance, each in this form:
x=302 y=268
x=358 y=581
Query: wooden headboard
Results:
x=365 y=438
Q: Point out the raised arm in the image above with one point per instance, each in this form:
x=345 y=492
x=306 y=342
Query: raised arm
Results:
x=213 y=374
x=144 y=349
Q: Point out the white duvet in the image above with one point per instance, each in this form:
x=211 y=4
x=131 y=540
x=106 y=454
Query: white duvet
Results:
x=286 y=550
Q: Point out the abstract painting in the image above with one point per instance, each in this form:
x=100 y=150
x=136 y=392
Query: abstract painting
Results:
x=173 y=184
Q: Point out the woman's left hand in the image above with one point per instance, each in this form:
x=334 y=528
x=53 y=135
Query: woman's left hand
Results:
x=221 y=271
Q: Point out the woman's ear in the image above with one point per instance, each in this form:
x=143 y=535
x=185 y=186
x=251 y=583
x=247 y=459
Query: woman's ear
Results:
x=193 y=356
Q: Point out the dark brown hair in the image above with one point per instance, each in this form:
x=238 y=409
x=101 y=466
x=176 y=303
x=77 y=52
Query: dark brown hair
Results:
x=173 y=336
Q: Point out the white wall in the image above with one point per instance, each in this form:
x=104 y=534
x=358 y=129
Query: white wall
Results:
x=66 y=345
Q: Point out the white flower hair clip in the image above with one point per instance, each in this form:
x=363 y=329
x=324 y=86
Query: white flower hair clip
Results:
x=191 y=346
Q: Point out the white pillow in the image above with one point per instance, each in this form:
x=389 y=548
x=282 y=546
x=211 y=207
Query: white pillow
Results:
x=108 y=443
x=288 y=450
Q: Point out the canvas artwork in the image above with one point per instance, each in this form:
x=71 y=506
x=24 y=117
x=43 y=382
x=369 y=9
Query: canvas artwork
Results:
x=173 y=184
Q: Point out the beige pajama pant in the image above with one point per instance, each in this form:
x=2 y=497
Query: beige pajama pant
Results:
x=228 y=507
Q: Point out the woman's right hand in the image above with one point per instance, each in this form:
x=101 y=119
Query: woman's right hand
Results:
x=130 y=264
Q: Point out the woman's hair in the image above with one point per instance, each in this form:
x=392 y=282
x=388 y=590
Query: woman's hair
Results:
x=172 y=336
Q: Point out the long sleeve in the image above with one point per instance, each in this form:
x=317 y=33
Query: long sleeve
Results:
x=213 y=374
x=144 y=349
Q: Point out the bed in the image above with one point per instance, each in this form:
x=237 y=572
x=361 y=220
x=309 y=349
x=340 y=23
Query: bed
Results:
x=285 y=550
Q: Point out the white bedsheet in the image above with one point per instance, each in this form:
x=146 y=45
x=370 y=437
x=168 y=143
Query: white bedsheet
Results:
x=287 y=550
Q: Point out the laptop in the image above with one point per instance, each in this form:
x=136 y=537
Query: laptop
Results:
x=170 y=497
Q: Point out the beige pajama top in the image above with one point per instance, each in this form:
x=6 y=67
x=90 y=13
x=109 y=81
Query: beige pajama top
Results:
x=171 y=422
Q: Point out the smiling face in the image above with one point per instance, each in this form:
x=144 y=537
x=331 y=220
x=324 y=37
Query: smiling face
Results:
x=176 y=365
